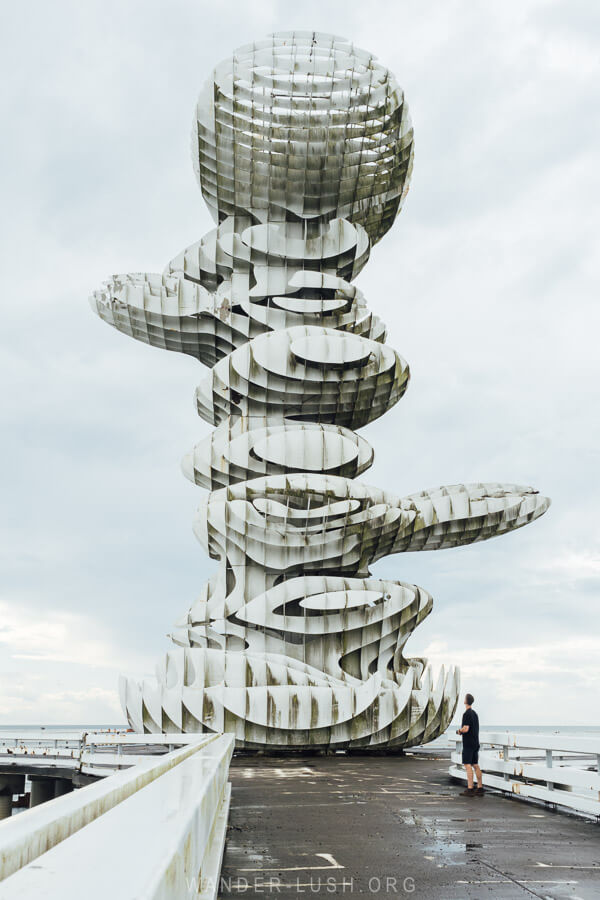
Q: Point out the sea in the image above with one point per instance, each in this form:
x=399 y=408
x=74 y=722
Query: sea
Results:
x=445 y=741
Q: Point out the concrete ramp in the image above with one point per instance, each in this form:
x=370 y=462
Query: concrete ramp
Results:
x=395 y=826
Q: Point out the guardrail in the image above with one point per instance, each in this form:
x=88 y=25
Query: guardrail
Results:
x=40 y=748
x=159 y=825
x=563 y=771
x=98 y=753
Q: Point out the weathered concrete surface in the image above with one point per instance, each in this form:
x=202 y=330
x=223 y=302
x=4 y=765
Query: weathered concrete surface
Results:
x=319 y=826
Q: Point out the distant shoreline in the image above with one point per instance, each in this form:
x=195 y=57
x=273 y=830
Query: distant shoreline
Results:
x=450 y=730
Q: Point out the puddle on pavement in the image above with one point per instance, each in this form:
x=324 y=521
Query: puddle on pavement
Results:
x=449 y=853
x=442 y=837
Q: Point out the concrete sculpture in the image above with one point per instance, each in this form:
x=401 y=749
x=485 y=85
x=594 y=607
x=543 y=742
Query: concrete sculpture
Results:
x=303 y=149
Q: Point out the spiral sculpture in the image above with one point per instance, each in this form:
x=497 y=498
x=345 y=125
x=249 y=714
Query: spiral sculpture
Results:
x=303 y=149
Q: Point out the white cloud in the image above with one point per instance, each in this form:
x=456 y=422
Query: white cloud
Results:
x=58 y=666
x=56 y=637
x=575 y=563
x=26 y=700
x=531 y=683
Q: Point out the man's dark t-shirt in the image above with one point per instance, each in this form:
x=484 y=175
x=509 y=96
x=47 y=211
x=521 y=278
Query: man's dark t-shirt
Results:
x=471 y=738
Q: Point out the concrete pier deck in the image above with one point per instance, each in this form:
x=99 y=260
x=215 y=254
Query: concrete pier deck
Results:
x=332 y=826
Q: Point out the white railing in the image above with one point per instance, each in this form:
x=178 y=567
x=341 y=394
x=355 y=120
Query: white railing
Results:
x=159 y=826
x=98 y=753
x=563 y=771
x=105 y=752
x=41 y=748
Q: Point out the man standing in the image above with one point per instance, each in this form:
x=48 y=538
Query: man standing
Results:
x=470 y=750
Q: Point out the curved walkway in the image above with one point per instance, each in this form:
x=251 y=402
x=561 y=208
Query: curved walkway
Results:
x=333 y=826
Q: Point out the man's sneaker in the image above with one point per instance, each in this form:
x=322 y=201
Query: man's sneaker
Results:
x=468 y=792
x=479 y=792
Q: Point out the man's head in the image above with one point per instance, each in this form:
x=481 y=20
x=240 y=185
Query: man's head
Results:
x=469 y=699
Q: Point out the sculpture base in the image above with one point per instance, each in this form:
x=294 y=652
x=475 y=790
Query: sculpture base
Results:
x=203 y=690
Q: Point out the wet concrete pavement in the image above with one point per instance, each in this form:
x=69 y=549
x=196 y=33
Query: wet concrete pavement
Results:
x=333 y=826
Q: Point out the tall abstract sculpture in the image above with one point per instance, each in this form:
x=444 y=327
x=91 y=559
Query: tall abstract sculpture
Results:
x=303 y=149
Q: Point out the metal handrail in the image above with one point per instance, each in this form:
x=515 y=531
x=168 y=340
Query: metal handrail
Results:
x=526 y=765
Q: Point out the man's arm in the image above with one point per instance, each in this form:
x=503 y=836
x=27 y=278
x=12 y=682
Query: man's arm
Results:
x=464 y=727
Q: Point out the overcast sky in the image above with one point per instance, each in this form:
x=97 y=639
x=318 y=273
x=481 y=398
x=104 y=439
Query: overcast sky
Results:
x=488 y=283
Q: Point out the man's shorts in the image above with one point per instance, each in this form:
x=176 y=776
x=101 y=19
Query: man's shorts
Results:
x=470 y=756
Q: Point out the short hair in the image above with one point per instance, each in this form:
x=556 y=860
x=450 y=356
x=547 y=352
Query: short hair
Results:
x=470 y=699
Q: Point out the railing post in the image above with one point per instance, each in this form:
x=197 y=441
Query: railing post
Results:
x=505 y=757
x=549 y=784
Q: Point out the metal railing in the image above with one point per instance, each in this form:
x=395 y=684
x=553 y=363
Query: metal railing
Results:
x=160 y=824
x=99 y=753
x=42 y=748
x=563 y=771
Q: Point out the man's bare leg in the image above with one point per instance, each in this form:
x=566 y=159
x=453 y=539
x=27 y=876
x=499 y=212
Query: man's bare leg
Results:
x=470 y=775
x=479 y=776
